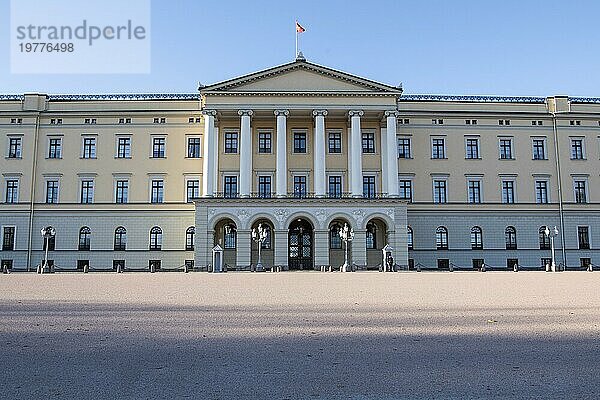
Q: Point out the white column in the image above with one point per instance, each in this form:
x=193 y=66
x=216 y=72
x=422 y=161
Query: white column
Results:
x=392 y=159
x=281 y=172
x=319 y=156
x=384 y=151
x=245 y=153
x=208 y=165
x=356 y=157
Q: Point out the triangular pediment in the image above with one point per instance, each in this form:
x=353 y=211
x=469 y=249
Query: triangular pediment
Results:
x=300 y=76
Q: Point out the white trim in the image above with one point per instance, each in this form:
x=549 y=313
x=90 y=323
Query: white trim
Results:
x=80 y=192
x=123 y=135
x=47 y=179
x=121 y=178
x=83 y=139
x=508 y=178
x=545 y=142
x=583 y=147
x=475 y=178
x=157 y=136
x=335 y=130
x=443 y=137
x=5 y=192
x=156 y=177
x=444 y=178
x=576 y=178
x=472 y=137
x=258 y=132
x=513 y=155
x=191 y=177
x=186 y=146
x=308 y=137
x=548 y=191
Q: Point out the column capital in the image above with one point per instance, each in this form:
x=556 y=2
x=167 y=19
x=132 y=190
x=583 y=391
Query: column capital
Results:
x=211 y=113
x=278 y=113
x=248 y=113
x=394 y=113
x=356 y=113
x=322 y=113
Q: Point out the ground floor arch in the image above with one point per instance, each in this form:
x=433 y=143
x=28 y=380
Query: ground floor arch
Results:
x=301 y=245
x=336 y=245
x=267 y=250
x=226 y=235
x=376 y=238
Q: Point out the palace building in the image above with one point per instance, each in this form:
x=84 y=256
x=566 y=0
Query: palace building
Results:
x=301 y=150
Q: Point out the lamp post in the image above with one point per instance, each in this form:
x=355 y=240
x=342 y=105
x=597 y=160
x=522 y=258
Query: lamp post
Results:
x=347 y=235
x=259 y=235
x=552 y=234
x=47 y=233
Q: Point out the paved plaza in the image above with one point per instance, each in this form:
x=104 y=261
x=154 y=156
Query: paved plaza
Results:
x=300 y=335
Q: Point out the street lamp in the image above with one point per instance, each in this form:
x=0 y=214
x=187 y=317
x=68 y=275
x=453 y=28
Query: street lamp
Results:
x=552 y=234
x=47 y=234
x=259 y=235
x=347 y=235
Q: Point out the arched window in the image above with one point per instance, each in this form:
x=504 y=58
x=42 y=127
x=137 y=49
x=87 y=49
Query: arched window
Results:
x=335 y=241
x=441 y=238
x=120 y=239
x=84 y=238
x=189 y=238
x=476 y=238
x=410 y=237
x=229 y=236
x=155 y=238
x=511 y=238
x=371 y=236
x=544 y=239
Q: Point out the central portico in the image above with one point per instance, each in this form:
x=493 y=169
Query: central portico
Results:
x=298 y=147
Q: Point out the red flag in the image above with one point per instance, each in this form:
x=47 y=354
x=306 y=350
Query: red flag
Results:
x=299 y=28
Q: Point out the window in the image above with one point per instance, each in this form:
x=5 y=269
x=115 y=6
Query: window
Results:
x=231 y=142
x=8 y=238
x=474 y=191
x=544 y=261
x=544 y=239
x=87 y=192
x=539 y=149
x=510 y=235
x=508 y=192
x=14 y=147
x=580 y=191
x=84 y=239
x=404 y=148
x=54 y=148
x=155 y=238
x=583 y=236
x=300 y=189
x=266 y=244
x=335 y=241
x=120 y=239
x=470 y=122
x=230 y=186
x=472 y=148
x=574 y=122
x=124 y=120
x=121 y=191
x=443 y=263
x=536 y=123
x=369 y=187
x=16 y=120
x=192 y=189
x=124 y=147
x=299 y=142
x=159 y=120
x=51 y=192
x=158 y=147
x=56 y=121
x=477 y=263
x=89 y=148
x=405 y=189
x=368 y=142
x=189 y=238
x=440 y=191
x=90 y=121
x=12 y=191
x=441 y=238
x=264 y=186
x=506 y=152
x=511 y=262
x=438 y=148
x=371 y=236
x=437 y=121
x=476 y=238
x=335 y=142
x=585 y=262
x=193 y=148
x=229 y=236
x=404 y=121
x=335 y=186
x=157 y=191
x=577 y=149
x=264 y=142
x=410 y=237
x=541 y=192
x=504 y=122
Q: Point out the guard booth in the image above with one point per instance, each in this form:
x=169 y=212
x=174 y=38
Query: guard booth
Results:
x=387 y=262
x=217 y=259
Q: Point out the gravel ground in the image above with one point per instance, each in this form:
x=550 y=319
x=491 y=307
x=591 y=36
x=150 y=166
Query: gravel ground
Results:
x=300 y=335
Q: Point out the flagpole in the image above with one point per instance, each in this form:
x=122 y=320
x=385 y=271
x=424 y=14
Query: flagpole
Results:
x=296 y=29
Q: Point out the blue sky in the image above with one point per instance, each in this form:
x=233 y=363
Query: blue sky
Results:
x=506 y=47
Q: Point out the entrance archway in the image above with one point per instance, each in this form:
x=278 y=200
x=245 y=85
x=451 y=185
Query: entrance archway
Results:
x=336 y=245
x=300 y=245
x=226 y=237
x=268 y=247
x=376 y=241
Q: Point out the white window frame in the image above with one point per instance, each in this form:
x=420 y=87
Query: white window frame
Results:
x=270 y=174
x=59 y=137
x=87 y=178
x=158 y=136
x=46 y=180
x=341 y=174
x=410 y=178
x=308 y=146
x=5 y=192
x=583 y=148
x=83 y=139
x=576 y=178
x=121 y=178
x=512 y=147
x=443 y=137
x=439 y=178
x=11 y=136
x=327 y=132
x=410 y=146
x=545 y=141
x=186 y=143
x=514 y=182
x=188 y=178
x=120 y=136
x=541 y=179
x=164 y=182
x=475 y=179
x=471 y=137
x=258 y=132
x=589 y=228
